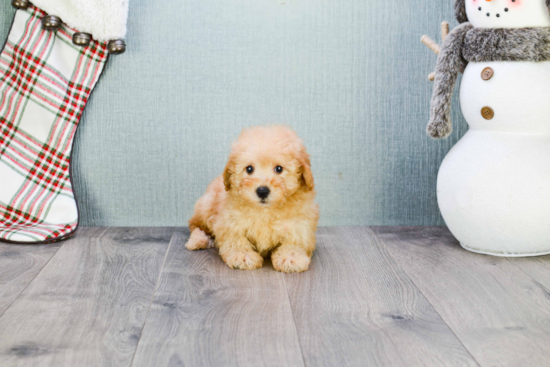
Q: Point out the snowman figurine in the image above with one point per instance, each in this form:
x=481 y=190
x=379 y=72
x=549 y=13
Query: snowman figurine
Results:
x=493 y=187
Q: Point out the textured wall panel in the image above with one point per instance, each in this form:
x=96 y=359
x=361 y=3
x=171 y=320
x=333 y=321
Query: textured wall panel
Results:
x=349 y=75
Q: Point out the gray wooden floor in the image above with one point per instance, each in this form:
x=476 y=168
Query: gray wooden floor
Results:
x=373 y=297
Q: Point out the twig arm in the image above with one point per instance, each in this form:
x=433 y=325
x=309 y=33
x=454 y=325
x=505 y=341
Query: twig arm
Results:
x=431 y=44
x=444 y=30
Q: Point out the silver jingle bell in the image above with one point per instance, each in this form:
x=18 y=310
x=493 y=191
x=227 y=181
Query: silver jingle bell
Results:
x=51 y=23
x=82 y=39
x=117 y=47
x=20 y=4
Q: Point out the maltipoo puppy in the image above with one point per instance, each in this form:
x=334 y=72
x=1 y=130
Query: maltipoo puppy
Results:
x=262 y=205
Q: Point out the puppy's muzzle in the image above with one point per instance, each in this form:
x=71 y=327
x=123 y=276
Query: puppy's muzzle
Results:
x=263 y=192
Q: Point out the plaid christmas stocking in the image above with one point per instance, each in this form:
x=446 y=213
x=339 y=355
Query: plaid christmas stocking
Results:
x=47 y=74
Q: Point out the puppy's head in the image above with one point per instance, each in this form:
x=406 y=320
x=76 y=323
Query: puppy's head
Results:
x=267 y=165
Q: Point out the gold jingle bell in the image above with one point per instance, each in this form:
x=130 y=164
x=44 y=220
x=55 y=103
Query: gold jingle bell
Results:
x=51 y=23
x=117 y=47
x=82 y=39
x=20 y=4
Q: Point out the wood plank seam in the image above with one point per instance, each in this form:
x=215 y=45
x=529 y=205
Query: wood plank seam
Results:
x=366 y=310
x=153 y=296
x=209 y=315
x=88 y=303
x=294 y=322
x=425 y=296
x=539 y=284
x=22 y=290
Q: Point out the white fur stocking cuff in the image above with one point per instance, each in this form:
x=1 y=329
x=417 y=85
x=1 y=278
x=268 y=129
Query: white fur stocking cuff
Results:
x=105 y=20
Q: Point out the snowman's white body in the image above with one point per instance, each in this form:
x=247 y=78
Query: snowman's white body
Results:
x=494 y=185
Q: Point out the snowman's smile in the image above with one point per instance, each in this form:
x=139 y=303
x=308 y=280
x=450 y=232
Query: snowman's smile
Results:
x=508 y=13
x=506 y=10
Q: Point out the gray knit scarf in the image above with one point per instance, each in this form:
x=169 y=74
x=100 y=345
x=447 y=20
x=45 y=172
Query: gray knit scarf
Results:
x=468 y=44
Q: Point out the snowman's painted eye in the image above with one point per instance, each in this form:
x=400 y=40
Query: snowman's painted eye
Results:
x=479 y=8
x=506 y=9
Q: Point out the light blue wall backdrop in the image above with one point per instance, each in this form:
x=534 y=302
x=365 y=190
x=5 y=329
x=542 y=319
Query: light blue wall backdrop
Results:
x=349 y=75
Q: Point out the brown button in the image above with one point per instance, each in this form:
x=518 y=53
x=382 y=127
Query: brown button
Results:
x=487 y=73
x=487 y=113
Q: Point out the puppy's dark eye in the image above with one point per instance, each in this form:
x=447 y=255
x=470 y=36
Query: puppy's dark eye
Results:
x=249 y=170
x=279 y=169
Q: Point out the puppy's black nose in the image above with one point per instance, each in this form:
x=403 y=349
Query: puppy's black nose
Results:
x=263 y=192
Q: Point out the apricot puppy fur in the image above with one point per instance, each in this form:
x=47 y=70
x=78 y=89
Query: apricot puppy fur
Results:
x=263 y=204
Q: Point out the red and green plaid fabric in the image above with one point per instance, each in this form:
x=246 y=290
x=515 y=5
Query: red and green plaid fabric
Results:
x=45 y=82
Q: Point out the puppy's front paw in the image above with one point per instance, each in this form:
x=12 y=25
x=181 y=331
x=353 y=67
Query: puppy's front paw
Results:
x=289 y=260
x=244 y=260
x=198 y=240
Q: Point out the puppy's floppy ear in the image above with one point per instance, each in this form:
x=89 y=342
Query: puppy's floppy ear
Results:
x=228 y=172
x=307 y=176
